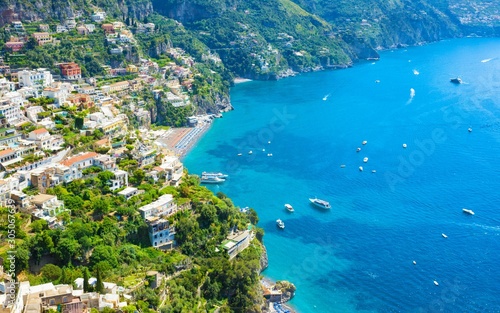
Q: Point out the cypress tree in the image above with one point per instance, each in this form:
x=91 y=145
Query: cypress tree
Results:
x=99 y=287
x=86 y=280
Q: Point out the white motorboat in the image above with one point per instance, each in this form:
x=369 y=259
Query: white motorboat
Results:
x=374 y=171
x=360 y=168
x=468 y=211
x=444 y=235
x=470 y=129
x=436 y=283
x=211 y=180
x=358 y=149
x=364 y=142
x=414 y=262
x=250 y=152
x=220 y=175
x=320 y=203
x=280 y=224
x=289 y=207
x=240 y=154
x=404 y=145
x=365 y=159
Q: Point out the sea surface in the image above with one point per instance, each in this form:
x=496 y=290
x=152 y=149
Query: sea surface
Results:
x=358 y=256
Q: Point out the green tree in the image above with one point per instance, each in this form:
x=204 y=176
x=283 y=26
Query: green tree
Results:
x=51 y=272
x=99 y=286
x=86 y=276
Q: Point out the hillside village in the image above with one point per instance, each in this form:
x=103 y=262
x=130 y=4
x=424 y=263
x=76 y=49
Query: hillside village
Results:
x=77 y=149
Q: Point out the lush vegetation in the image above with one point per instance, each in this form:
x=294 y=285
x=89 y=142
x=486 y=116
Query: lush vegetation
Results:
x=105 y=237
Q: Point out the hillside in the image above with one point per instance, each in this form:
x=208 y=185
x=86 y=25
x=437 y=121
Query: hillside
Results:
x=272 y=39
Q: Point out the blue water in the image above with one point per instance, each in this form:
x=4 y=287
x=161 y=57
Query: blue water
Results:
x=357 y=257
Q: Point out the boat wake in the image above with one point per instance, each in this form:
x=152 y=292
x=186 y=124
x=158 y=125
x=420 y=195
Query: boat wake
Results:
x=412 y=94
x=487 y=60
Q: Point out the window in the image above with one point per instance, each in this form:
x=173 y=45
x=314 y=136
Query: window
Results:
x=52 y=302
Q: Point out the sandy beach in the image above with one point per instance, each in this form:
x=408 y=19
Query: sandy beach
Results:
x=181 y=140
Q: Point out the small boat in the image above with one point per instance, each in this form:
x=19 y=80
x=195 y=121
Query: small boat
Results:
x=342 y=166
x=269 y=154
x=289 y=208
x=269 y=142
x=405 y=145
x=360 y=168
x=468 y=211
x=365 y=159
x=470 y=130
x=240 y=154
x=444 y=235
x=456 y=80
x=374 y=171
x=414 y=262
x=250 y=152
x=263 y=150
x=377 y=81
x=358 y=149
x=364 y=142
x=220 y=175
x=211 y=180
x=280 y=224
x=320 y=203
x=415 y=72
x=436 y=283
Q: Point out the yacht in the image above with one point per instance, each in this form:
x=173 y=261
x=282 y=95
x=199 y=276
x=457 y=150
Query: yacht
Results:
x=456 y=80
x=211 y=180
x=289 y=208
x=220 y=175
x=360 y=168
x=365 y=159
x=280 y=224
x=436 y=283
x=468 y=211
x=320 y=203
x=444 y=235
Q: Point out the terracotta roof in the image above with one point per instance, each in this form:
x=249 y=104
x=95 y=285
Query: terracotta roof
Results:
x=40 y=131
x=6 y=152
x=79 y=158
x=102 y=142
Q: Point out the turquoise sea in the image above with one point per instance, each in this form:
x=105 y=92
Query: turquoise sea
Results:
x=358 y=256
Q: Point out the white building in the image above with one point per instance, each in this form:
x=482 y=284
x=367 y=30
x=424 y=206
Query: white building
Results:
x=161 y=234
x=98 y=17
x=58 y=94
x=37 y=78
x=61 y=29
x=164 y=206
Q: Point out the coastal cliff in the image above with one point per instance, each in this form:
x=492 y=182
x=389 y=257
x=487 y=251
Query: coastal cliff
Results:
x=268 y=40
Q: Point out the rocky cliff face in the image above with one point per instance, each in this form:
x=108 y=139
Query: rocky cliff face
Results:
x=264 y=262
x=39 y=10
